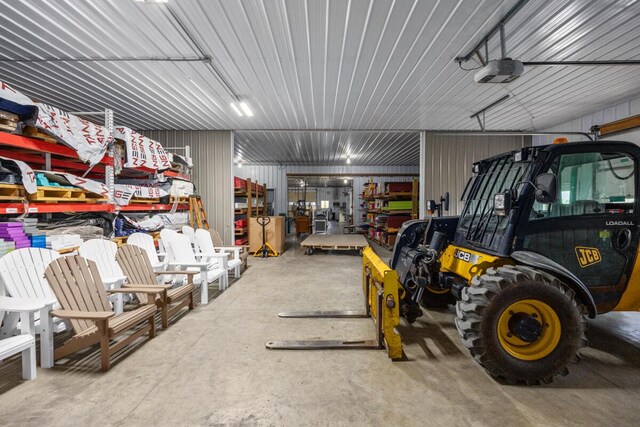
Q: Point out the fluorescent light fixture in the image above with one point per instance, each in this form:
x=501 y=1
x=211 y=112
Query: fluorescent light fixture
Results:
x=236 y=109
x=245 y=109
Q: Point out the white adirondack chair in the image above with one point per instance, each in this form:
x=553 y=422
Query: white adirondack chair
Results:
x=205 y=244
x=166 y=235
x=145 y=241
x=191 y=234
x=22 y=275
x=103 y=253
x=183 y=257
x=24 y=343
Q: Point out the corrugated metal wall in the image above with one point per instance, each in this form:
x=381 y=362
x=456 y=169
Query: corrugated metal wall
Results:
x=212 y=153
x=276 y=177
x=449 y=160
x=622 y=110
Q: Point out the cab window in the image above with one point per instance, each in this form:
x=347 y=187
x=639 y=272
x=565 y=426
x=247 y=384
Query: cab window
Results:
x=591 y=183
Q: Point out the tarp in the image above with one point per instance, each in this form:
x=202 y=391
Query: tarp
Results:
x=88 y=139
x=14 y=102
x=124 y=193
x=28 y=175
x=142 y=151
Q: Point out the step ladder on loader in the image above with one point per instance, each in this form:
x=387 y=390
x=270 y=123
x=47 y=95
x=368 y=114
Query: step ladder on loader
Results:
x=380 y=287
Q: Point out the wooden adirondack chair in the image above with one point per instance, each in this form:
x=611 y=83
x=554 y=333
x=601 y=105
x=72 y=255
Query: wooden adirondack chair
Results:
x=205 y=244
x=218 y=243
x=103 y=253
x=136 y=265
x=24 y=343
x=79 y=289
x=145 y=241
x=22 y=274
x=182 y=256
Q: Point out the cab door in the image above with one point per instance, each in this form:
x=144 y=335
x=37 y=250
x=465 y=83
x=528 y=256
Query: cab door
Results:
x=592 y=227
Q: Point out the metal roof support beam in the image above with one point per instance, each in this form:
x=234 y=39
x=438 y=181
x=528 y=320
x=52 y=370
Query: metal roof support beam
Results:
x=125 y=59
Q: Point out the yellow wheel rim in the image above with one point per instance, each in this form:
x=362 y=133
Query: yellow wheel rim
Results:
x=548 y=328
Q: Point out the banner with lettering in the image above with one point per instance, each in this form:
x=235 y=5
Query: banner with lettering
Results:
x=90 y=140
x=142 y=151
x=124 y=193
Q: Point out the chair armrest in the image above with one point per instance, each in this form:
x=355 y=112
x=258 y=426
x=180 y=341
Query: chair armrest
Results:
x=230 y=248
x=142 y=285
x=214 y=255
x=143 y=289
x=187 y=264
x=17 y=305
x=88 y=315
x=188 y=273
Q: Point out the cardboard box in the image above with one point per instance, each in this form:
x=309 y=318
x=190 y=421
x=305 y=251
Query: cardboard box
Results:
x=274 y=233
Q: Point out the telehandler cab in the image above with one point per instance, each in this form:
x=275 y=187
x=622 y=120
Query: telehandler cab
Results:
x=547 y=235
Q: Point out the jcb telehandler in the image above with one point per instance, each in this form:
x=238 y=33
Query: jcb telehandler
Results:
x=547 y=236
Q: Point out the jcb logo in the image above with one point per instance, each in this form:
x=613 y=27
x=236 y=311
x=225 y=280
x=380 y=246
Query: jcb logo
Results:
x=466 y=256
x=587 y=256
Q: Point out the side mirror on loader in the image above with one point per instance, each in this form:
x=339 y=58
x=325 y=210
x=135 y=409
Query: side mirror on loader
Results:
x=546 y=188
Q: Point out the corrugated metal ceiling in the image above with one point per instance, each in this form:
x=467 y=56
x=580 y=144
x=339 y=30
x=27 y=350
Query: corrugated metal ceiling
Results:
x=333 y=64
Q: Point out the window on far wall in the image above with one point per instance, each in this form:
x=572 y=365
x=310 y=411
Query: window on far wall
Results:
x=324 y=204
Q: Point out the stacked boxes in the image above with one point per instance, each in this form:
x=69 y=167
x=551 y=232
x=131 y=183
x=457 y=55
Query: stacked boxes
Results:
x=37 y=237
x=13 y=232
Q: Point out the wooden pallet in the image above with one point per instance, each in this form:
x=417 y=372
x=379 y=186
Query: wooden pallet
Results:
x=180 y=199
x=12 y=192
x=65 y=195
x=33 y=132
x=140 y=200
x=335 y=242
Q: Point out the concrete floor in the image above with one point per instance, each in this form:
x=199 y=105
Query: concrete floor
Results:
x=211 y=368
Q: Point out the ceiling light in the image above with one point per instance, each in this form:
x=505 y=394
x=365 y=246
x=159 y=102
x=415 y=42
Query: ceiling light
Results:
x=345 y=180
x=245 y=109
x=239 y=164
x=236 y=109
x=348 y=160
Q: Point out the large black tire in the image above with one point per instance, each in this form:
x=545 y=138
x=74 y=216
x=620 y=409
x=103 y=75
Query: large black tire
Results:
x=482 y=305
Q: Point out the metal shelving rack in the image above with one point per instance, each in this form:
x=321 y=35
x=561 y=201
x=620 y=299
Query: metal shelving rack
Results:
x=52 y=156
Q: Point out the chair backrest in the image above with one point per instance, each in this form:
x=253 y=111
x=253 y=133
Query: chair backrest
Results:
x=76 y=283
x=191 y=234
x=22 y=273
x=181 y=248
x=136 y=265
x=205 y=244
x=166 y=236
x=215 y=237
x=103 y=253
x=145 y=241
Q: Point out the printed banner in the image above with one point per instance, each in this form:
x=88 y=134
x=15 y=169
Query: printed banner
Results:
x=124 y=193
x=84 y=183
x=14 y=102
x=88 y=139
x=142 y=151
x=28 y=175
